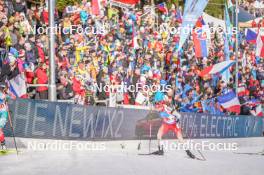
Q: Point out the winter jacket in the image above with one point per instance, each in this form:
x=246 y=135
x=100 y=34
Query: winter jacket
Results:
x=42 y=78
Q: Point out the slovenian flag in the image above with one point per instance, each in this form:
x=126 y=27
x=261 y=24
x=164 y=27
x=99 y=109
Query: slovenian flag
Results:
x=218 y=68
x=192 y=11
x=230 y=102
x=251 y=35
x=200 y=43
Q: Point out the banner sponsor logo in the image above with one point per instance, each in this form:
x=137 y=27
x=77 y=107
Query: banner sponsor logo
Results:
x=51 y=120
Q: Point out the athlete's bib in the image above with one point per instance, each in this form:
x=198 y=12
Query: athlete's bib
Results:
x=170 y=119
x=2 y=102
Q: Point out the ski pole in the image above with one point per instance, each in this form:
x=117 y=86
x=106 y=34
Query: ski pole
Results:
x=150 y=127
x=199 y=151
x=12 y=129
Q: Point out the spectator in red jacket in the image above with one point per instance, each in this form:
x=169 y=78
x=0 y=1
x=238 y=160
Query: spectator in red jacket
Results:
x=45 y=16
x=42 y=78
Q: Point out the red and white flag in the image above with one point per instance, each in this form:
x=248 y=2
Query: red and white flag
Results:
x=218 y=68
x=242 y=90
x=258 y=111
x=260 y=44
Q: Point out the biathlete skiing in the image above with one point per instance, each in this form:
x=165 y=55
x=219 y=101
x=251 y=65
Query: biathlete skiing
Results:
x=170 y=121
x=3 y=113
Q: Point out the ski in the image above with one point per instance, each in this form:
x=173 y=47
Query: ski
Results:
x=7 y=152
x=192 y=156
x=149 y=154
x=159 y=152
x=258 y=153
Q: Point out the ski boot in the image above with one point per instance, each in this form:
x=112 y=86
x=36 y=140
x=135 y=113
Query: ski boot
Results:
x=3 y=145
x=190 y=154
x=159 y=152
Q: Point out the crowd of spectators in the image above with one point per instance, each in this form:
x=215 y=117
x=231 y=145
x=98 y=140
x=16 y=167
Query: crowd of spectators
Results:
x=122 y=47
x=254 y=7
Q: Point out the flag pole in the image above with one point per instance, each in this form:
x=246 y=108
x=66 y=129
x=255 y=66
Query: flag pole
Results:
x=52 y=84
x=237 y=32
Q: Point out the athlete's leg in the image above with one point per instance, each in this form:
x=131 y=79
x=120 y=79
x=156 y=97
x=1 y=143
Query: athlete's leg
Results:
x=179 y=136
x=162 y=131
x=178 y=133
x=2 y=136
x=3 y=120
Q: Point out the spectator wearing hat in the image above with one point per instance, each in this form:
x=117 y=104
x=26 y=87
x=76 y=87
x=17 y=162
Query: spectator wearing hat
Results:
x=42 y=78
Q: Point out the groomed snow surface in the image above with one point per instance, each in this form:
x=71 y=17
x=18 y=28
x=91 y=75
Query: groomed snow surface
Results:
x=47 y=157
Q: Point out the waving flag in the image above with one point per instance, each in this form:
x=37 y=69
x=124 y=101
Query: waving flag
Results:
x=242 y=90
x=227 y=39
x=230 y=4
x=258 y=111
x=253 y=102
x=251 y=35
x=260 y=45
x=193 y=10
x=200 y=44
x=217 y=68
x=230 y=102
x=18 y=86
x=228 y=24
x=226 y=75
